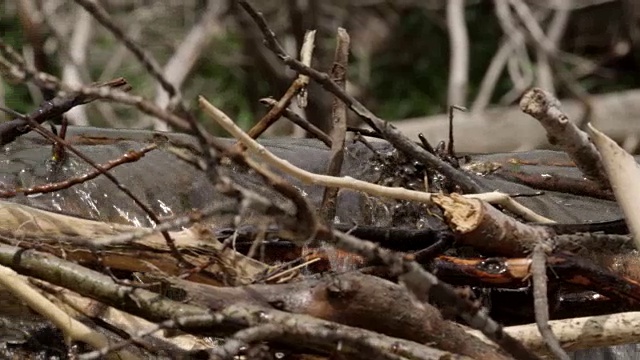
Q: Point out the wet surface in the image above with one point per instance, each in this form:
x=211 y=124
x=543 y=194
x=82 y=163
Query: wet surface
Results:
x=171 y=186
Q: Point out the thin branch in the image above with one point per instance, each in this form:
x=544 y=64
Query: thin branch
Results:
x=339 y=124
x=297 y=87
x=300 y=121
x=390 y=132
x=130 y=156
x=419 y=282
x=540 y=302
x=100 y=14
x=73 y=329
x=348 y=182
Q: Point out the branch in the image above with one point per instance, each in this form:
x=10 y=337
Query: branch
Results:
x=298 y=87
x=545 y=108
x=303 y=123
x=299 y=329
x=339 y=124
x=130 y=156
x=72 y=329
x=390 y=132
x=540 y=302
x=348 y=182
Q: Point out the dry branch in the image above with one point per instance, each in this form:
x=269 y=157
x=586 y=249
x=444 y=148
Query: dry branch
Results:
x=390 y=133
x=339 y=124
x=298 y=87
x=73 y=329
x=582 y=333
x=545 y=108
x=488 y=230
x=347 y=182
x=300 y=330
x=540 y=300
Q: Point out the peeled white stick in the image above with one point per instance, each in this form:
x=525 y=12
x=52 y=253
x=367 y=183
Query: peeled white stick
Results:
x=72 y=329
x=578 y=333
x=624 y=176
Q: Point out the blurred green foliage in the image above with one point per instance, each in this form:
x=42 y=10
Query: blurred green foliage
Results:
x=16 y=97
x=408 y=78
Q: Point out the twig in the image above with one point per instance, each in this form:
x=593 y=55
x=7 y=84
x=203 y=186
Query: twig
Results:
x=300 y=121
x=419 y=282
x=424 y=285
x=390 y=132
x=11 y=130
x=73 y=329
x=149 y=63
x=297 y=87
x=349 y=182
x=128 y=157
x=339 y=124
x=540 y=303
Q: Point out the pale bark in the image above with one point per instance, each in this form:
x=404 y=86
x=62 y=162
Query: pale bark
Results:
x=508 y=129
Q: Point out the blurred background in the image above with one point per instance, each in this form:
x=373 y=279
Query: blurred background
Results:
x=410 y=60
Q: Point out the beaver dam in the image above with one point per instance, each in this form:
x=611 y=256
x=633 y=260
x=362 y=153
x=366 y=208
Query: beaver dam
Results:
x=94 y=252
x=360 y=243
